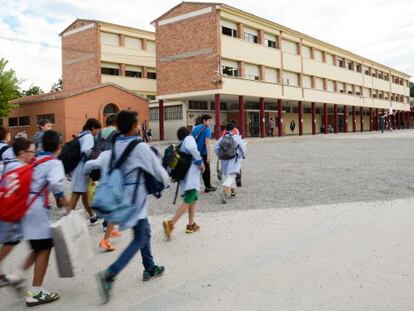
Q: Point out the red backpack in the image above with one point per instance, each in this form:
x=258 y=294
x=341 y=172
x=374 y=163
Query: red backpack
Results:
x=15 y=191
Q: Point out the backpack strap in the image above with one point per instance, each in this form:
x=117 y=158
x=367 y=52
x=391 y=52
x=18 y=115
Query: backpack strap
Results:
x=200 y=132
x=44 y=188
x=124 y=155
x=3 y=150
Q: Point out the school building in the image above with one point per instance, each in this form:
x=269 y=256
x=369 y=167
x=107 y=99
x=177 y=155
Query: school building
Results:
x=217 y=59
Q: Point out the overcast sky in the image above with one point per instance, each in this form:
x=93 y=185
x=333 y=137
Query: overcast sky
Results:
x=376 y=29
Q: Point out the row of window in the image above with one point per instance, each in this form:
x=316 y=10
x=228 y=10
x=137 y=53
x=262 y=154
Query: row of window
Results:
x=130 y=71
x=170 y=113
x=252 y=35
x=114 y=39
x=25 y=120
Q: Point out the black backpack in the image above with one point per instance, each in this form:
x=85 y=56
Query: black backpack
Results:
x=100 y=146
x=71 y=155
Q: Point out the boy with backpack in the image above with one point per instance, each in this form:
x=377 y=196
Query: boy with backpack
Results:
x=189 y=186
x=90 y=130
x=47 y=176
x=135 y=164
x=44 y=125
x=11 y=233
x=230 y=150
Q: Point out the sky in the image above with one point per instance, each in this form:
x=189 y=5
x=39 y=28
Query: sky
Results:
x=380 y=30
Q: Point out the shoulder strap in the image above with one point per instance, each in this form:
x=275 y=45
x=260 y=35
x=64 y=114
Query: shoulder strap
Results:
x=42 y=160
x=200 y=132
x=124 y=155
x=2 y=150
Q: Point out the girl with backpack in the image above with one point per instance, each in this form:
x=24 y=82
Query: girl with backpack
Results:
x=231 y=150
x=90 y=130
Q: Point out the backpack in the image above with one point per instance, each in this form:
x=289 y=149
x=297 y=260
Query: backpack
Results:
x=227 y=147
x=15 y=191
x=100 y=146
x=71 y=154
x=176 y=163
x=110 y=202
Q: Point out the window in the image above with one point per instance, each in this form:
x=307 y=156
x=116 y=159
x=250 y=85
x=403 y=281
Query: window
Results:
x=50 y=117
x=340 y=87
x=380 y=75
x=358 y=67
x=374 y=73
x=386 y=95
x=357 y=90
x=271 y=75
x=349 y=88
x=289 y=47
x=374 y=93
x=151 y=74
x=251 y=72
x=13 y=122
x=109 y=38
x=340 y=62
x=133 y=43
x=318 y=55
x=153 y=114
x=151 y=97
x=366 y=70
x=110 y=109
x=110 y=69
x=250 y=35
x=306 y=51
x=24 y=121
x=290 y=78
x=319 y=84
x=350 y=65
x=386 y=77
x=173 y=112
x=381 y=95
x=229 y=68
x=330 y=59
x=307 y=81
x=197 y=105
x=229 y=29
x=133 y=71
x=151 y=46
x=270 y=41
x=330 y=85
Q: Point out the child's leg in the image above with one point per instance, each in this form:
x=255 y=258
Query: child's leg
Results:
x=181 y=210
x=108 y=231
x=41 y=262
x=5 y=250
x=85 y=201
x=191 y=213
x=74 y=200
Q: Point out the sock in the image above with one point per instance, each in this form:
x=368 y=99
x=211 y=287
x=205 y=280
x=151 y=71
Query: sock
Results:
x=35 y=290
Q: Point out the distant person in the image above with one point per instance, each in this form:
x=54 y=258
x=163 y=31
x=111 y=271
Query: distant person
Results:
x=44 y=125
x=145 y=131
x=271 y=127
x=382 y=124
x=292 y=126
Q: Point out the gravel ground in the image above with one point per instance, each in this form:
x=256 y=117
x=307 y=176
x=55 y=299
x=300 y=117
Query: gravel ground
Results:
x=301 y=171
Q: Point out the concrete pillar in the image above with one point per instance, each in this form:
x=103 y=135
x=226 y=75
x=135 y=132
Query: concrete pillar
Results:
x=280 y=116
x=262 y=121
x=161 y=118
x=345 y=119
x=300 y=117
x=217 y=114
x=241 y=116
x=313 y=118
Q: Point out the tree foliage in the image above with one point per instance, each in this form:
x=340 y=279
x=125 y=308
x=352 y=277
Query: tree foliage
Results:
x=9 y=88
x=33 y=90
x=57 y=86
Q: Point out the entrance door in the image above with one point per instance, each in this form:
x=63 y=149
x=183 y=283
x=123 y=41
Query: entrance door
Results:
x=253 y=121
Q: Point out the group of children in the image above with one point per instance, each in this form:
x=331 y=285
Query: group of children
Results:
x=49 y=176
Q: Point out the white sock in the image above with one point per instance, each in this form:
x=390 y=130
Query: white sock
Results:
x=35 y=289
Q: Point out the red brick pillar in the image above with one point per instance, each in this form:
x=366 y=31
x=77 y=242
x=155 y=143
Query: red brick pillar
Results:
x=217 y=114
x=345 y=119
x=300 y=117
x=361 y=118
x=313 y=118
x=325 y=118
x=336 y=119
x=370 y=120
x=241 y=115
x=262 y=121
x=353 y=119
x=399 y=120
x=280 y=116
x=377 y=119
x=408 y=119
x=161 y=118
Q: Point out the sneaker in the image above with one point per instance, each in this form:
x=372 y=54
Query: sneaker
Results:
x=115 y=234
x=233 y=193
x=223 y=197
x=168 y=228
x=4 y=281
x=42 y=297
x=192 y=228
x=94 y=219
x=105 y=244
x=210 y=189
x=104 y=285
x=157 y=271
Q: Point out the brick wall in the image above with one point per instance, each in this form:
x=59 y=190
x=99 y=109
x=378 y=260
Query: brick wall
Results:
x=193 y=34
x=81 y=57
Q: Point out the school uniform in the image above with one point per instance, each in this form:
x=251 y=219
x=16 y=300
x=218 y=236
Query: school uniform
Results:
x=141 y=158
x=191 y=182
x=11 y=233
x=37 y=220
x=79 y=180
x=230 y=168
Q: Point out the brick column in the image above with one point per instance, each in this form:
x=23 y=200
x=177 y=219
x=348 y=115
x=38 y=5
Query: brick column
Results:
x=241 y=116
x=336 y=119
x=325 y=118
x=122 y=40
x=161 y=118
x=262 y=76
x=260 y=37
x=217 y=114
x=300 y=117
x=370 y=120
x=361 y=118
x=122 y=70
x=353 y=119
x=280 y=116
x=240 y=31
x=345 y=119
x=144 y=44
x=377 y=119
x=313 y=118
x=241 y=69
x=262 y=121
x=144 y=72
x=408 y=119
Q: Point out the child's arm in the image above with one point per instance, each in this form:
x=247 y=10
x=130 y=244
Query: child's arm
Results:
x=101 y=162
x=87 y=144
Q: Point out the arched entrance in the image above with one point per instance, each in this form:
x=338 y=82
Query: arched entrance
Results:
x=109 y=109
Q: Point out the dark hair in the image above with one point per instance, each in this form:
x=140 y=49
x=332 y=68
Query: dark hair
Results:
x=3 y=132
x=21 y=144
x=198 y=121
x=111 y=120
x=205 y=117
x=126 y=120
x=43 y=122
x=51 y=141
x=92 y=124
x=182 y=133
x=230 y=126
x=234 y=122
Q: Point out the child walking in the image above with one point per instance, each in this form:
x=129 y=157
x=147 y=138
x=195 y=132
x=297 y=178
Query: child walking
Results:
x=189 y=186
x=91 y=128
x=231 y=167
x=141 y=158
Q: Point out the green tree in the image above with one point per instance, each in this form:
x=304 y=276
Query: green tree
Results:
x=33 y=90
x=411 y=89
x=9 y=88
x=57 y=86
